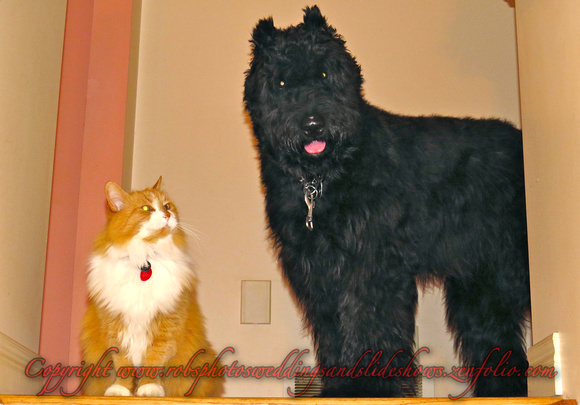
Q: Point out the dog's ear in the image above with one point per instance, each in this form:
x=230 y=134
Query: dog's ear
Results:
x=312 y=17
x=264 y=32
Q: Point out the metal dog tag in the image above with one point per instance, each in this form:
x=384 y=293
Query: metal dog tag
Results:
x=312 y=190
x=310 y=203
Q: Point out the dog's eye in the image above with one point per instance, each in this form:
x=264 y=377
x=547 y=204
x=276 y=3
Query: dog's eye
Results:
x=281 y=84
x=323 y=75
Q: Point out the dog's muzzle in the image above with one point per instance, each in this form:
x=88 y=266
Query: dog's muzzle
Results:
x=313 y=126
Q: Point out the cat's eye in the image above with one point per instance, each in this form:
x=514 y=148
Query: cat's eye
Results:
x=147 y=208
x=167 y=207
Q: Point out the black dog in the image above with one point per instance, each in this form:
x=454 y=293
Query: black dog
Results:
x=364 y=205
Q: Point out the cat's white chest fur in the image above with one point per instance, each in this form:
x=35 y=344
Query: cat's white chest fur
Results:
x=114 y=282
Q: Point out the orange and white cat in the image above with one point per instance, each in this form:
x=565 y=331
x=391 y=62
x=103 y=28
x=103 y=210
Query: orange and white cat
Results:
x=143 y=302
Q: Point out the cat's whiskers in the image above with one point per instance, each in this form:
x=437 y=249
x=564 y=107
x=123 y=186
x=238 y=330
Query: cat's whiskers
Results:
x=190 y=231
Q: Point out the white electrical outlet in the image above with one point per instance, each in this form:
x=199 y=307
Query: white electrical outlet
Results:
x=255 y=305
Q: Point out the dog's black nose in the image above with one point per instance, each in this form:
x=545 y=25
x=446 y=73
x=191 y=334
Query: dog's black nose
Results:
x=312 y=125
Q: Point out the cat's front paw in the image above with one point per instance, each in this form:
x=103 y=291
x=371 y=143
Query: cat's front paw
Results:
x=151 y=390
x=117 y=390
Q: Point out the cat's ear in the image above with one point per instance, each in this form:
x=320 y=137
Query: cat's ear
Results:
x=115 y=196
x=157 y=185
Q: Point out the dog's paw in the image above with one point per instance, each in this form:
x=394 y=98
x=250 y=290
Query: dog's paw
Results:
x=151 y=390
x=117 y=390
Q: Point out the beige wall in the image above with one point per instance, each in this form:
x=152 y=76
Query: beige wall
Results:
x=549 y=61
x=31 y=34
x=452 y=57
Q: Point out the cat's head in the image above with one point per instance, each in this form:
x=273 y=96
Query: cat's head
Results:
x=147 y=215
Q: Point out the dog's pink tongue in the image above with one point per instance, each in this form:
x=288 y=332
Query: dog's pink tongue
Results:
x=315 y=147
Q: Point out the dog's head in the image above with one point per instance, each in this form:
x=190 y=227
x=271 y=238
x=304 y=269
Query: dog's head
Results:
x=303 y=94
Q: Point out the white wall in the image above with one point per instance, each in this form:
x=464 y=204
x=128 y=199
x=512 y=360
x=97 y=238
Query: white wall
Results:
x=452 y=57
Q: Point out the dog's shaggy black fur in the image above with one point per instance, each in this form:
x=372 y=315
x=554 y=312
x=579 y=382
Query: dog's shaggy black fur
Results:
x=404 y=201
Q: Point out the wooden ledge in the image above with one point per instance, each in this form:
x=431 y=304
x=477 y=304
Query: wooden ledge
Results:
x=82 y=400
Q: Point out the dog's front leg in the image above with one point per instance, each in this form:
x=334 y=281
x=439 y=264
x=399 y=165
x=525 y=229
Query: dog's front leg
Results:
x=376 y=324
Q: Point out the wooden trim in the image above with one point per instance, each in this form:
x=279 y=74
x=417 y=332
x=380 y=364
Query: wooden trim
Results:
x=14 y=358
x=81 y=400
x=546 y=353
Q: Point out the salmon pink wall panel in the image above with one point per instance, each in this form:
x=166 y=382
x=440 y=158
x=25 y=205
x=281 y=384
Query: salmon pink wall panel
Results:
x=88 y=153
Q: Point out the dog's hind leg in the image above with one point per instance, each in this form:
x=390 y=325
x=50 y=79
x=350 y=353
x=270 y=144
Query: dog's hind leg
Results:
x=487 y=317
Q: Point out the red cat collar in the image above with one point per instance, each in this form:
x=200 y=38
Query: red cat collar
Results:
x=146 y=271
